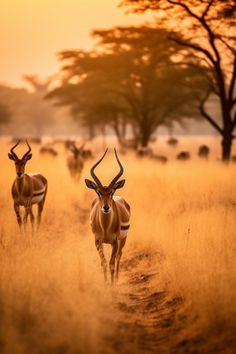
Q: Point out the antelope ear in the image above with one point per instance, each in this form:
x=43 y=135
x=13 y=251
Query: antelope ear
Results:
x=11 y=157
x=119 y=184
x=90 y=184
x=28 y=157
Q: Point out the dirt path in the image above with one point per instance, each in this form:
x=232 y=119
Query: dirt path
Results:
x=150 y=318
x=147 y=312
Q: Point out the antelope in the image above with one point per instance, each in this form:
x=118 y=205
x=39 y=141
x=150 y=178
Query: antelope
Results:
x=75 y=162
x=183 y=156
x=172 y=141
x=159 y=158
x=144 y=151
x=27 y=189
x=203 y=152
x=48 y=150
x=109 y=218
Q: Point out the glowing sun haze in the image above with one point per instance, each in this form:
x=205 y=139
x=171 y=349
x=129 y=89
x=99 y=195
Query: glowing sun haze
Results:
x=33 y=31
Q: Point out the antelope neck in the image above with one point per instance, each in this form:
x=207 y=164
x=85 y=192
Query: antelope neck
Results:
x=20 y=182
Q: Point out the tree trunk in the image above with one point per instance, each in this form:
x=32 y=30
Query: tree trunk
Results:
x=91 y=131
x=116 y=125
x=145 y=131
x=103 y=131
x=145 y=138
x=226 y=147
x=123 y=128
x=118 y=135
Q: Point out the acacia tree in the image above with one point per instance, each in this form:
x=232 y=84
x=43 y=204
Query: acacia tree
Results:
x=132 y=76
x=206 y=28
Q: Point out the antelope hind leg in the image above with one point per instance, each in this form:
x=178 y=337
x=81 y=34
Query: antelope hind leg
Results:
x=32 y=219
x=121 y=244
x=40 y=208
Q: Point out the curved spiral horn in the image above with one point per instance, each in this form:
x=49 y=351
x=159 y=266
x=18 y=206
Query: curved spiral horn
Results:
x=120 y=173
x=29 y=149
x=96 y=179
x=12 y=149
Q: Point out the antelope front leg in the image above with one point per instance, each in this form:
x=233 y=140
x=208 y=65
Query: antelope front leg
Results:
x=113 y=259
x=99 y=247
x=118 y=255
x=27 y=211
x=17 y=211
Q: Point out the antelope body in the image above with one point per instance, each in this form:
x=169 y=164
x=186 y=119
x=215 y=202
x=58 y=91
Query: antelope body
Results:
x=203 y=152
x=183 y=156
x=75 y=162
x=27 y=189
x=109 y=218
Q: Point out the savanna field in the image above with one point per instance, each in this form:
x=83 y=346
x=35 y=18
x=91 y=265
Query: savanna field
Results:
x=177 y=286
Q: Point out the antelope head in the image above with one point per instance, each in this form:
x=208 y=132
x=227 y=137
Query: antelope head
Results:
x=20 y=163
x=105 y=193
x=75 y=150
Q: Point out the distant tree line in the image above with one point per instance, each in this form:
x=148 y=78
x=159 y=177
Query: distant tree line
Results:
x=24 y=112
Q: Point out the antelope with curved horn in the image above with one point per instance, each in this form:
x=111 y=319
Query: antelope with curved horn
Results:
x=109 y=217
x=75 y=162
x=27 y=189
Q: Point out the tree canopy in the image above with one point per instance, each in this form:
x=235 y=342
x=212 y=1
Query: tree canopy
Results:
x=129 y=76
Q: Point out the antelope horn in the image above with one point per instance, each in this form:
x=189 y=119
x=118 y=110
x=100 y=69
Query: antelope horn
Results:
x=120 y=173
x=96 y=179
x=29 y=149
x=82 y=146
x=73 y=147
x=12 y=149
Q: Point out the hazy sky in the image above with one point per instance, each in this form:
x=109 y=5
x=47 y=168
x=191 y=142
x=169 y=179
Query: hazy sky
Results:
x=33 y=31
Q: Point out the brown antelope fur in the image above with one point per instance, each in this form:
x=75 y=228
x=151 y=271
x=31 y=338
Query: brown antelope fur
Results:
x=109 y=218
x=27 y=189
x=75 y=162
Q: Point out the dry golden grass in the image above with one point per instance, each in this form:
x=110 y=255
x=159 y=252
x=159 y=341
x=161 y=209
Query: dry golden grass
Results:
x=177 y=290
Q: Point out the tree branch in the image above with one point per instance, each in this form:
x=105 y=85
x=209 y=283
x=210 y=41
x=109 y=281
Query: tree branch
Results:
x=206 y=115
x=203 y=23
x=230 y=48
x=207 y=9
x=232 y=84
x=193 y=46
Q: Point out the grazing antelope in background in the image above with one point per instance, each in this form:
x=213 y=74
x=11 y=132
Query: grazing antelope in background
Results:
x=48 y=150
x=183 y=156
x=109 y=217
x=75 y=162
x=204 y=152
x=27 y=189
x=172 y=141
